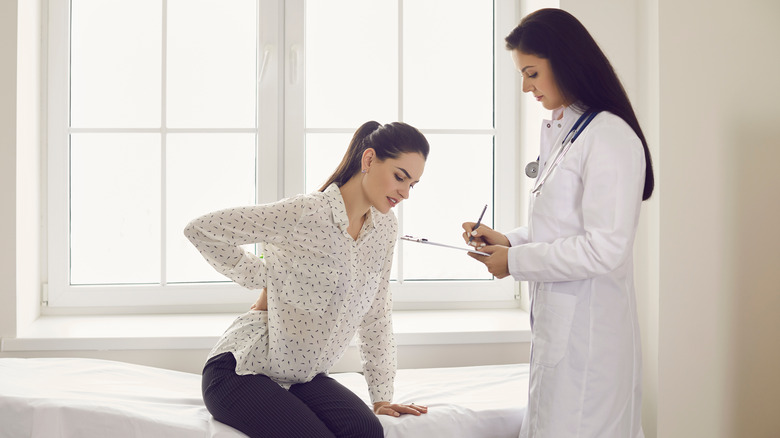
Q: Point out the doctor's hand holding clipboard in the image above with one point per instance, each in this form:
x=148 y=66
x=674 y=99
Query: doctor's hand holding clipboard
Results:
x=488 y=240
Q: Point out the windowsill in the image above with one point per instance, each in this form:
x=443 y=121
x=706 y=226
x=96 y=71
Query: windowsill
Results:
x=194 y=332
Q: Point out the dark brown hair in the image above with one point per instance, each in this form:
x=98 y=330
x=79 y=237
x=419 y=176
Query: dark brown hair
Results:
x=388 y=141
x=582 y=72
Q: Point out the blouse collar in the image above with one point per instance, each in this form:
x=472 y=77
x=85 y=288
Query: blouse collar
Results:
x=339 y=210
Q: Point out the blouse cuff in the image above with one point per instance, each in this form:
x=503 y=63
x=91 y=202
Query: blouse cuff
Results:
x=380 y=393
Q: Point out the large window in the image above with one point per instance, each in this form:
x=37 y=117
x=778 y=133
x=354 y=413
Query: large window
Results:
x=162 y=110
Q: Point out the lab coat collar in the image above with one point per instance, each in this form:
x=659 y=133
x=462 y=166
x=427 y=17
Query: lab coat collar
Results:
x=564 y=118
x=558 y=113
x=568 y=113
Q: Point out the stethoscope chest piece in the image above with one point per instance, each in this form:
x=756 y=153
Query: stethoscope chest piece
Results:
x=532 y=169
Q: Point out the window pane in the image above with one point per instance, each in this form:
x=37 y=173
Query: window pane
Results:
x=115 y=63
x=454 y=188
x=448 y=64
x=115 y=208
x=323 y=154
x=351 y=62
x=205 y=172
x=211 y=63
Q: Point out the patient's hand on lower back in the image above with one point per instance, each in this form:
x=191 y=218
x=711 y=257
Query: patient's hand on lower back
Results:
x=262 y=302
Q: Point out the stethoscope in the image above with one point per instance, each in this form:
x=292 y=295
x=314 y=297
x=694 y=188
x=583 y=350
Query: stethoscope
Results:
x=532 y=168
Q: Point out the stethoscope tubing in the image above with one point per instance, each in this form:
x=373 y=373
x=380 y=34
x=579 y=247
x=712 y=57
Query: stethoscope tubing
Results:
x=582 y=122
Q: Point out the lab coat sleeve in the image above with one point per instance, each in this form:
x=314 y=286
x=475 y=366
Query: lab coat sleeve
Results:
x=518 y=236
x=219 y=237
x=375 y=338
x=612 y=169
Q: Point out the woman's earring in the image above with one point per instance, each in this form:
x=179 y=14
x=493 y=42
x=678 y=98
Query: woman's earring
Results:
x=363 y=171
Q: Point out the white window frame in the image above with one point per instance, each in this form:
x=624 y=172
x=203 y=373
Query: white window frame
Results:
x=280 y=61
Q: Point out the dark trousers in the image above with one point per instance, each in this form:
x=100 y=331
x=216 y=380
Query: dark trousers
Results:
x=257 y=406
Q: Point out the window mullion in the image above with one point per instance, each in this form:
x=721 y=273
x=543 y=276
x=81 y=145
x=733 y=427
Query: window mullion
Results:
x=270 y=100
x=57 y=155
x=294 y=98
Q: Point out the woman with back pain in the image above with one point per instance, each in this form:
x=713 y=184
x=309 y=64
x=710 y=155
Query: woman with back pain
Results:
x=324 y=276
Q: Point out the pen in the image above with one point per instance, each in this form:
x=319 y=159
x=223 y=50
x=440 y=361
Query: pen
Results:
x=479 y=221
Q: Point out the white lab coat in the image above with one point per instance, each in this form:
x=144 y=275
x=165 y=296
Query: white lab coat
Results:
x=576 y=252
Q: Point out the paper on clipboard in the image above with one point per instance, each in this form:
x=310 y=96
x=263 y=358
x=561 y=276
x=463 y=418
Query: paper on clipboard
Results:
x=428 y=242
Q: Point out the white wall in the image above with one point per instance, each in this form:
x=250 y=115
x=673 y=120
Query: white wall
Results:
x=29 y=163
x=8 y=44
x=719 y=354
x=648 y=237
x=20 y=166
x=409 y=356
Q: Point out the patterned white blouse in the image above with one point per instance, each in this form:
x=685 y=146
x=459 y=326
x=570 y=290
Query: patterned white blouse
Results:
x=322 y=285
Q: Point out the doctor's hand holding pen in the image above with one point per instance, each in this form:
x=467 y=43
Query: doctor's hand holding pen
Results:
x=488 y=240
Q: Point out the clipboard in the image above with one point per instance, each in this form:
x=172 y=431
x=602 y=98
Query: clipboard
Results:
x=428 y=242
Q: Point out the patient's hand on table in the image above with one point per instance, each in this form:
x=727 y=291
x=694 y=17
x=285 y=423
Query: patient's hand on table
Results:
x=262 y=302
x=396 y=410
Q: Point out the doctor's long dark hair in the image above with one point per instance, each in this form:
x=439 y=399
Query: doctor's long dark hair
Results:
x=388 y=141
x=582 y=72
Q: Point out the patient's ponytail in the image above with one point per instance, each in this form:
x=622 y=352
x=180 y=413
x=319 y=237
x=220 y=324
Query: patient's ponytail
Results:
x=388 y=141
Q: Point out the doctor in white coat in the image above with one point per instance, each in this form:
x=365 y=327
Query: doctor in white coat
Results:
x=593 y=173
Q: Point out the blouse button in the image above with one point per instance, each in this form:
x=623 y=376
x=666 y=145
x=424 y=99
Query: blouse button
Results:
x=548 y=125
x=559 y=125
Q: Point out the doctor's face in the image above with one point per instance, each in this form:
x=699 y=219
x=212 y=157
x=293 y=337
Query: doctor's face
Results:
x=538 y=79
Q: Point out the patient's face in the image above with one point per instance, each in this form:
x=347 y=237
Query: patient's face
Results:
x=387 y=183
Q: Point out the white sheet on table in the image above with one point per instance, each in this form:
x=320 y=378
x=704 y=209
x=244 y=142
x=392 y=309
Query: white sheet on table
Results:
x=481 y=401
x=86 y=398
